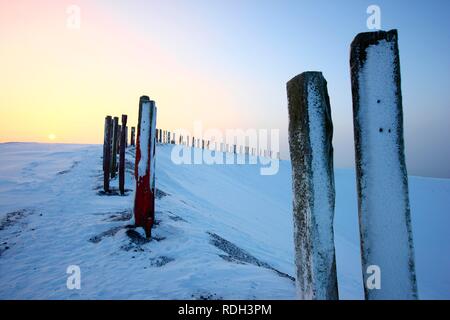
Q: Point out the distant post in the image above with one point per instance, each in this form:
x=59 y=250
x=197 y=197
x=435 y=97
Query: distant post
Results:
x=114 y=147
x=118 y=138
x=107 y=153
x=144 y=202
x=132 y=136
x=123 y=136
x=310 y=143
x=126 y=137
x=381 y=175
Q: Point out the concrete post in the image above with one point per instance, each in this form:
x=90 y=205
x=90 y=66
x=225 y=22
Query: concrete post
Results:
x=382 y=180
x=310 y=143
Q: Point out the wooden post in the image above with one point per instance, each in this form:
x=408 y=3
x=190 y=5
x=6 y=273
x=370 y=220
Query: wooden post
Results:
x=381 y=175
x=123 y=136
x=132 y=136
x=193 y=142
x=114 y=147
x=118 y=138
x=310 y=144
x=107 y=153
x=126 y=137
x=144 y=202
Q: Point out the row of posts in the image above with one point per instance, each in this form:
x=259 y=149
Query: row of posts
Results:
x=114 y=144
x=167 y=137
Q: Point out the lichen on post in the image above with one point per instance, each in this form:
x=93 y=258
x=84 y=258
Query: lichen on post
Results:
x=311 y=150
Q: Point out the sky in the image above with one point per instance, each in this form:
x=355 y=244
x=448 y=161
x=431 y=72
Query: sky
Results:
x=224 y=63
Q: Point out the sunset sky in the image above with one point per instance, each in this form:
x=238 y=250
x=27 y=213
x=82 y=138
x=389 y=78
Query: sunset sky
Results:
x=224 y=63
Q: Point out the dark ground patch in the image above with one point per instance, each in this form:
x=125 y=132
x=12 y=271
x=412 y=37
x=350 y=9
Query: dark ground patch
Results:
x=108 y=233
x=113 y=192
x=120 y=216
x=238 y=255
x=13 y=218
x=74 y=164
x=160 y=261
x=206 y=296
x=160 y=194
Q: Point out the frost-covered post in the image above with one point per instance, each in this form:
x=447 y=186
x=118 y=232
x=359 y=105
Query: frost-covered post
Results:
x=144 y=202
x=123 y=137
x=311 y=149
x=382 y=180
x=132 y=136
x=107 y=153
x=114 y=147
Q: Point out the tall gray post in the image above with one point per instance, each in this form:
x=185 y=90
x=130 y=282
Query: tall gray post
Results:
x=382 y=180
x=311 y=149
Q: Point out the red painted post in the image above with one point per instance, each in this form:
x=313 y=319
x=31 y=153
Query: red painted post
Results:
x=107 y=153
x=123 y=137
x=144 y=202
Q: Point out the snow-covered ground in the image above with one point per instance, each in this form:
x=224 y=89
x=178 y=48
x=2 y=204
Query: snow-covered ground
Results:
x=223 y=231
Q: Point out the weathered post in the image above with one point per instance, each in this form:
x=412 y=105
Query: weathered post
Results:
x=114 y=147
x=144 y=202
x=157 y=135
x=382 y=180
x=123 y=136
x=126 y=137
x=107 y=153
x=310 y=144
x=132 y=136
x=193 y=142
x=118 y=138
x=160 y=136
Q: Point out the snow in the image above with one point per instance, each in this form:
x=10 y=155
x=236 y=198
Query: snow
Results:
x=57 y=218
x=384 y=203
